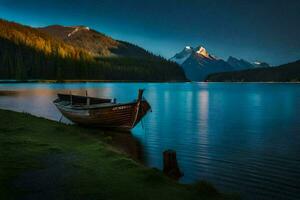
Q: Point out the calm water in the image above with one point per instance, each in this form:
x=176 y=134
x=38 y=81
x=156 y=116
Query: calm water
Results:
x=241 y=137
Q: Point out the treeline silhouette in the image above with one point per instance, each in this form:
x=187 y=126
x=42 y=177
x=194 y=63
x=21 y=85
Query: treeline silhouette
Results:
x=26 y=53
x=284 y=73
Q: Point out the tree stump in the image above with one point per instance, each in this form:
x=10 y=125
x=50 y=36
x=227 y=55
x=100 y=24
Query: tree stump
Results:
x=171 y=168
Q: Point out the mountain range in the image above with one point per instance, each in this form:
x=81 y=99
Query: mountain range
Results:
x=80 y=53
x=289 y=72
x=77 y=52
x=198 y=63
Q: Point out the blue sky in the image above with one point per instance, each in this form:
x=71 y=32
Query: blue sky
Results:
x=262 y=30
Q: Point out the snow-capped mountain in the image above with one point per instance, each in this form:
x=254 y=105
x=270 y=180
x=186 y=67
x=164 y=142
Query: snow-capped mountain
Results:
x=183 y=55
x=198 y=63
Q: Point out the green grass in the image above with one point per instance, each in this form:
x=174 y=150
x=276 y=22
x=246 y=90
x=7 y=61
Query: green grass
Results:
x=42 y=159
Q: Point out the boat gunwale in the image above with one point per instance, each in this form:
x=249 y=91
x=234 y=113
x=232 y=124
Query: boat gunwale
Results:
x=94 y=106
x=81 y=96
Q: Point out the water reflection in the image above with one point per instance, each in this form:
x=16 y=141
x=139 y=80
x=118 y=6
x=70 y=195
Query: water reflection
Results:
x=129 y=144
x=240 y=137
x=203 y=113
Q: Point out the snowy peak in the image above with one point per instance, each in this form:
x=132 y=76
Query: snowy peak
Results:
x=181 y=57
x=189 y=51
x=202 y=51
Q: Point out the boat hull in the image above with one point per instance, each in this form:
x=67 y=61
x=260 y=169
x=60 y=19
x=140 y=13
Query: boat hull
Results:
x=119 y=116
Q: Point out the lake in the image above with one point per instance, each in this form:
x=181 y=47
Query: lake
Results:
x=243 y=138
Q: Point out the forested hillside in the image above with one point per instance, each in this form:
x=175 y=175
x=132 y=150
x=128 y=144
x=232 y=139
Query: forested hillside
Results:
x=28 y=53
x=95 y=42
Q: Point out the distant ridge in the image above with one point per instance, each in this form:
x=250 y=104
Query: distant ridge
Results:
x=239 y=64
x=284 y=73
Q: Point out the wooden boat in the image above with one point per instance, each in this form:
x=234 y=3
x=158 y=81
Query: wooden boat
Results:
x=103 y=113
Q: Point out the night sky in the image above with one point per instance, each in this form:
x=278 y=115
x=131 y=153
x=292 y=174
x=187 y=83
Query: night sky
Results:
x=256 y=30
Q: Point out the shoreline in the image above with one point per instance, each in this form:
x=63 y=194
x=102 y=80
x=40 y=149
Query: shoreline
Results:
x=61 y=158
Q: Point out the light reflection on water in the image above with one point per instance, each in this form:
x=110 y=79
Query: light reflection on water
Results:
x=241 y=137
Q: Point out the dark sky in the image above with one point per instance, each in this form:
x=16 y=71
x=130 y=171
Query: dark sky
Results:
x=263 y=30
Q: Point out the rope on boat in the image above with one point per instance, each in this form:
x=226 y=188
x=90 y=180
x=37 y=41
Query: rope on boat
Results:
x=61 y=118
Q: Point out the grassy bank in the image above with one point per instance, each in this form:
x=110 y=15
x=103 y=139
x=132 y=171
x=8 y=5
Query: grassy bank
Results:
x=42 y=159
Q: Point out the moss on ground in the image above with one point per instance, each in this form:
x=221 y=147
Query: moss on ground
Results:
x=43 y=159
